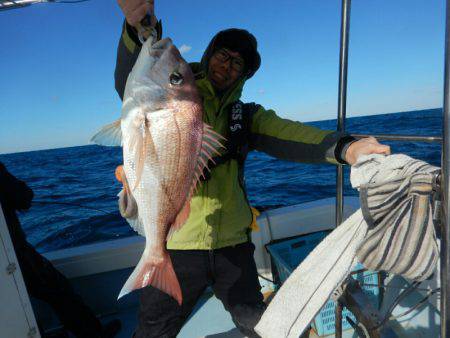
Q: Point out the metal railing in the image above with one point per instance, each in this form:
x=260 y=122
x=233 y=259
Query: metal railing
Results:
x=445 y=164
x=13 y=4
x=388 y=137
x=342 y=109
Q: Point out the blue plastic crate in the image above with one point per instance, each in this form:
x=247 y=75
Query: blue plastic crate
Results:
x=324 y=323
x=288 y=254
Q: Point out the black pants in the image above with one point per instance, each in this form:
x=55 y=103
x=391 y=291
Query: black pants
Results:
x=46 y=283
x=231 y=272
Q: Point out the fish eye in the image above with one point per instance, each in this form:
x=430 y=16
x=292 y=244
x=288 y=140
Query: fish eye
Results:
x=176 y=79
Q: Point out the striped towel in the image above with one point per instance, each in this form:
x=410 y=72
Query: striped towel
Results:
x=392 y=231
x=395 y=198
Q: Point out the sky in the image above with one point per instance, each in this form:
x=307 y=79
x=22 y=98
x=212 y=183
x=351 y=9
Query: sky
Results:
x=57 y=60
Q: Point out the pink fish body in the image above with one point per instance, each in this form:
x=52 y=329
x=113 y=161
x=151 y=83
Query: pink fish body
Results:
x=166 y=146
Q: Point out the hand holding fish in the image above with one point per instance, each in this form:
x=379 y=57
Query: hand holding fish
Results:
x=365 y=146
x=136 y=10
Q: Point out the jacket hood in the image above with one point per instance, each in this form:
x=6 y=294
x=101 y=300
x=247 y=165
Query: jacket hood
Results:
x=237 y=40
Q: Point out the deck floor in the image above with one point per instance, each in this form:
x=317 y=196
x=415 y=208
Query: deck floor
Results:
x=208 y=320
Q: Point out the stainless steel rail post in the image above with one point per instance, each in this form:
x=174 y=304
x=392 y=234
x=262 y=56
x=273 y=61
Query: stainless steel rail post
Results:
x=445 y=236
x=387 y=137
x=342 y=107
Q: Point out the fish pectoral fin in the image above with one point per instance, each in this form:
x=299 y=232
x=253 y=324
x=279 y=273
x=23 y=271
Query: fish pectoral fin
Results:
x=180 y=219
x=109 y=135
x=161 y=276
x=142 y=145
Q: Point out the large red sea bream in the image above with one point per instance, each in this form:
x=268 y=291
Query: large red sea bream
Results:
x=166 y=146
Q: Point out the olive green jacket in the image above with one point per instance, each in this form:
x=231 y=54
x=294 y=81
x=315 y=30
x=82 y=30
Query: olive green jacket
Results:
x=220 y=213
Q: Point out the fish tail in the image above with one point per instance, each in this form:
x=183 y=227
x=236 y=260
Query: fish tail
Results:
x=161 y=276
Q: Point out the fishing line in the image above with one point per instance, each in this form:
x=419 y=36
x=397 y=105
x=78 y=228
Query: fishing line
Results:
x=415 y=307
x=422 y=301
x=71 y=205
x=390 y=287
x=66 y=1
x=397 y=300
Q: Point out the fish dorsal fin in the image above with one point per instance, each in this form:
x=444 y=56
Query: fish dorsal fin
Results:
x=109 y=135
x=211 y=143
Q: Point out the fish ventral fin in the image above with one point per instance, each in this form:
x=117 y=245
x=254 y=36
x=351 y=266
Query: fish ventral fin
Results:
x=127 y=204
x=161 y=276
x=137 y=225
x=109 y=135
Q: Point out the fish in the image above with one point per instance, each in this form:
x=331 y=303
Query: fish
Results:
x=166 y=148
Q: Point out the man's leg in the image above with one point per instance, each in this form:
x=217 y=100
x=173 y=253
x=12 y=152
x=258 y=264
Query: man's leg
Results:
x=159 y=314
x=236 y=284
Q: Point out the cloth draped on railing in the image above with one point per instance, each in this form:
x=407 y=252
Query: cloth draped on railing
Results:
x=393 y=231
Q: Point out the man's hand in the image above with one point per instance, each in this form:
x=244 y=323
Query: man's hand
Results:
x=135 y=11
x=365 y=146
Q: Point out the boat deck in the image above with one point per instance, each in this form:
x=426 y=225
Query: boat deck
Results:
x=98 y=271
x=210 y=319
x=208 y=310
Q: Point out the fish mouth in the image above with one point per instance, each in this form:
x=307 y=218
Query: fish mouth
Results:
x=162 y=47
x=162 y=44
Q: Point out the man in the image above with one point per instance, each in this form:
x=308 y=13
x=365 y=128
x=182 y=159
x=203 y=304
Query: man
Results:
x=213 y=247
x=41 y=278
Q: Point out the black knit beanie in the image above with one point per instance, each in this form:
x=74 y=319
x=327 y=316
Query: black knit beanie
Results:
x=236 y=40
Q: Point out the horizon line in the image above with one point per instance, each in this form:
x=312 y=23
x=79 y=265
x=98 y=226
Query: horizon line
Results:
x=92 y=144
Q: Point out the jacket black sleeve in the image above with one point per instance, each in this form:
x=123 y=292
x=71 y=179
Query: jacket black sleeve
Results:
x=295 y=141
x=127 y=53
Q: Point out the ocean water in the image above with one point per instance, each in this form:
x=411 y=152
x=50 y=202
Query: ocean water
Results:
x=75 y=188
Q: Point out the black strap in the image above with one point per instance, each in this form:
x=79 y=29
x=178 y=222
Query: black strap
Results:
x=239 y=123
